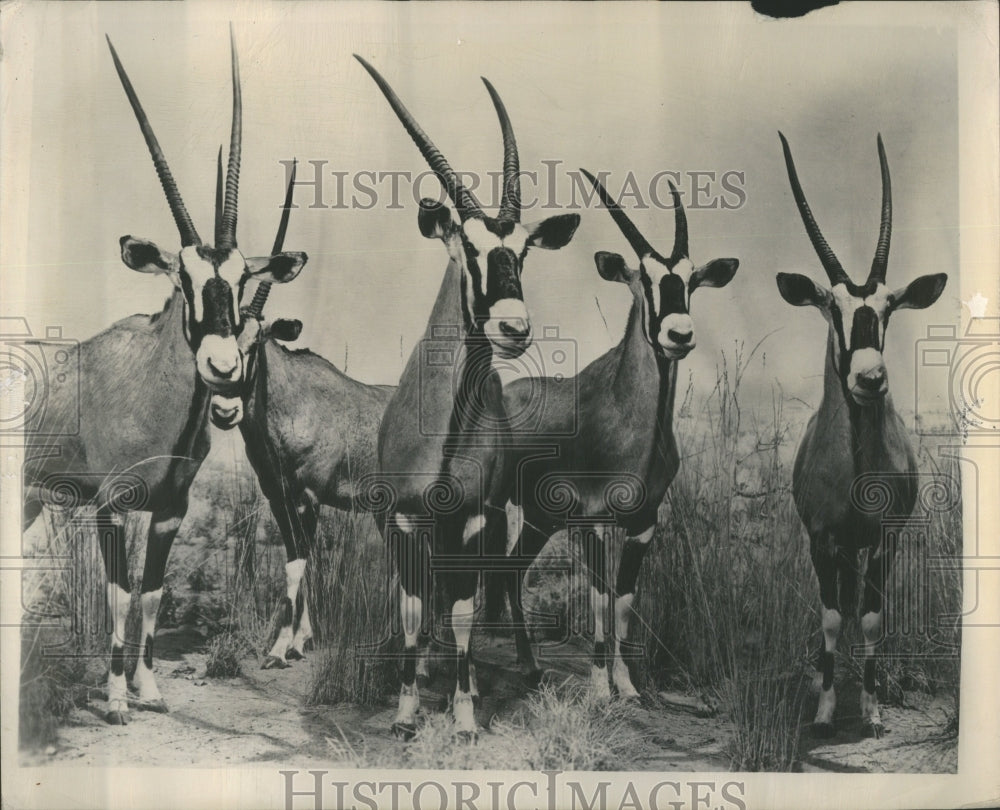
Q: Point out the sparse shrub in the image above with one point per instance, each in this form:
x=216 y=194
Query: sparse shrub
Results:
x=568 y=729
x=225 y=653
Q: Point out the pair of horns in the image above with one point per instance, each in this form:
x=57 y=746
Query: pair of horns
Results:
x=831 y=264
x=639 y=242
x=226 y=204
x=465 y=202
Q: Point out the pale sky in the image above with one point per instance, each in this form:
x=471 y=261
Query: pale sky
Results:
x=621 y=89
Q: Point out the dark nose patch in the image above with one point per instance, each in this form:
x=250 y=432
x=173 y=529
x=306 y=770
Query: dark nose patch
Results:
x=217 y=297
x=502 y=280
x=673 y=298
x=864 y=330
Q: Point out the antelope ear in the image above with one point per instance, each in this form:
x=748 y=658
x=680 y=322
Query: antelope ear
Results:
x=434 y=219
x=717 y=273
x=612 y=267
x=799 y=291
x=554 y=232
x=279 y=268
x=286 y=329
x=920 y=293
x=145 y=257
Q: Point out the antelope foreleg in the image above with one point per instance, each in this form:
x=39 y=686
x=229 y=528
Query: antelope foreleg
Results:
x=628 y=573
x=163 y=529
x=112 y=540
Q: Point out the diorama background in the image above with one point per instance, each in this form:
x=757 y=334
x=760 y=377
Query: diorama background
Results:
x=640 y=91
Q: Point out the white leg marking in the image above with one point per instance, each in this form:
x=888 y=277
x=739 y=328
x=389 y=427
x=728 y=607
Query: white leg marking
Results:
x=871 y=626
x=404 y=523
x=304 y=632
x=828 y=697
x=411 y=610
x=515 y=524
x=118 y=603
x=144 y=680
x=462 y=615
x=472 y=527
x=293 y=576
x=619 y=671
x=599 y=674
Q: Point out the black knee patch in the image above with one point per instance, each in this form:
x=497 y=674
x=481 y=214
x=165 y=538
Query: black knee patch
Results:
x=300 y=605
x=463 y=672
x=117 y=660
x=633 y=554
x=600 y=654
x=409 y=666
x=870 y=675
x=287 y=611
x=147 y=654
x=826 y=665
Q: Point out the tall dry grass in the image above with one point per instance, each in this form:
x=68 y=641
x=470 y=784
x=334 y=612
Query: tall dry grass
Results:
x=728 y=601
x=352 y=609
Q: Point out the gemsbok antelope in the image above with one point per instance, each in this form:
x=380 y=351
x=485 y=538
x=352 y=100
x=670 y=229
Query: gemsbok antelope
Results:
x=855 y=432
x=309 y=432
x=441 y=448
x=604 y=448
x=143 y=404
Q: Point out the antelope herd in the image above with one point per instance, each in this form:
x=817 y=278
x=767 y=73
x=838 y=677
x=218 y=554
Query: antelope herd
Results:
x=436 y=459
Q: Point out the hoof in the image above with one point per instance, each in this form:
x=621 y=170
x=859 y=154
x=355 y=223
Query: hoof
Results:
x=875 y=730
x=117 y=718
x=404 y=731
x=307 y=645
x=468 y=737
x=159 y=706
x=823 y=730
x=273 y=662
x=626 y=694
x=294 y=655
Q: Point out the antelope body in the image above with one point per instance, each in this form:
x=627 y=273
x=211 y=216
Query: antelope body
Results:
x=855 y=432
x=609 y=439
x=309 y=432
x=143 y=401
x=441 y=447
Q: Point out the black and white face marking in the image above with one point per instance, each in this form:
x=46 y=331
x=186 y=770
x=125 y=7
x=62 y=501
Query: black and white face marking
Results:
x=668 y=323
x=494 y=256
x=212 y=281
x=859 y=316
x=664 y=293
x=491 y=254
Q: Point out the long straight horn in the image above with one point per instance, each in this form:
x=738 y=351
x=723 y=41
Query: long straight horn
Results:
x=218 y=198
x=510 y=201
x=881 y=260
x=256 y=308
x=189 y=236
x=834 y=270
x=635 y=239
x=680 y=250
x=227 y=238
x=460 y=196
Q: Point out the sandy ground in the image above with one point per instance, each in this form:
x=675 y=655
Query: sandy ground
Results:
x=260 y=717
